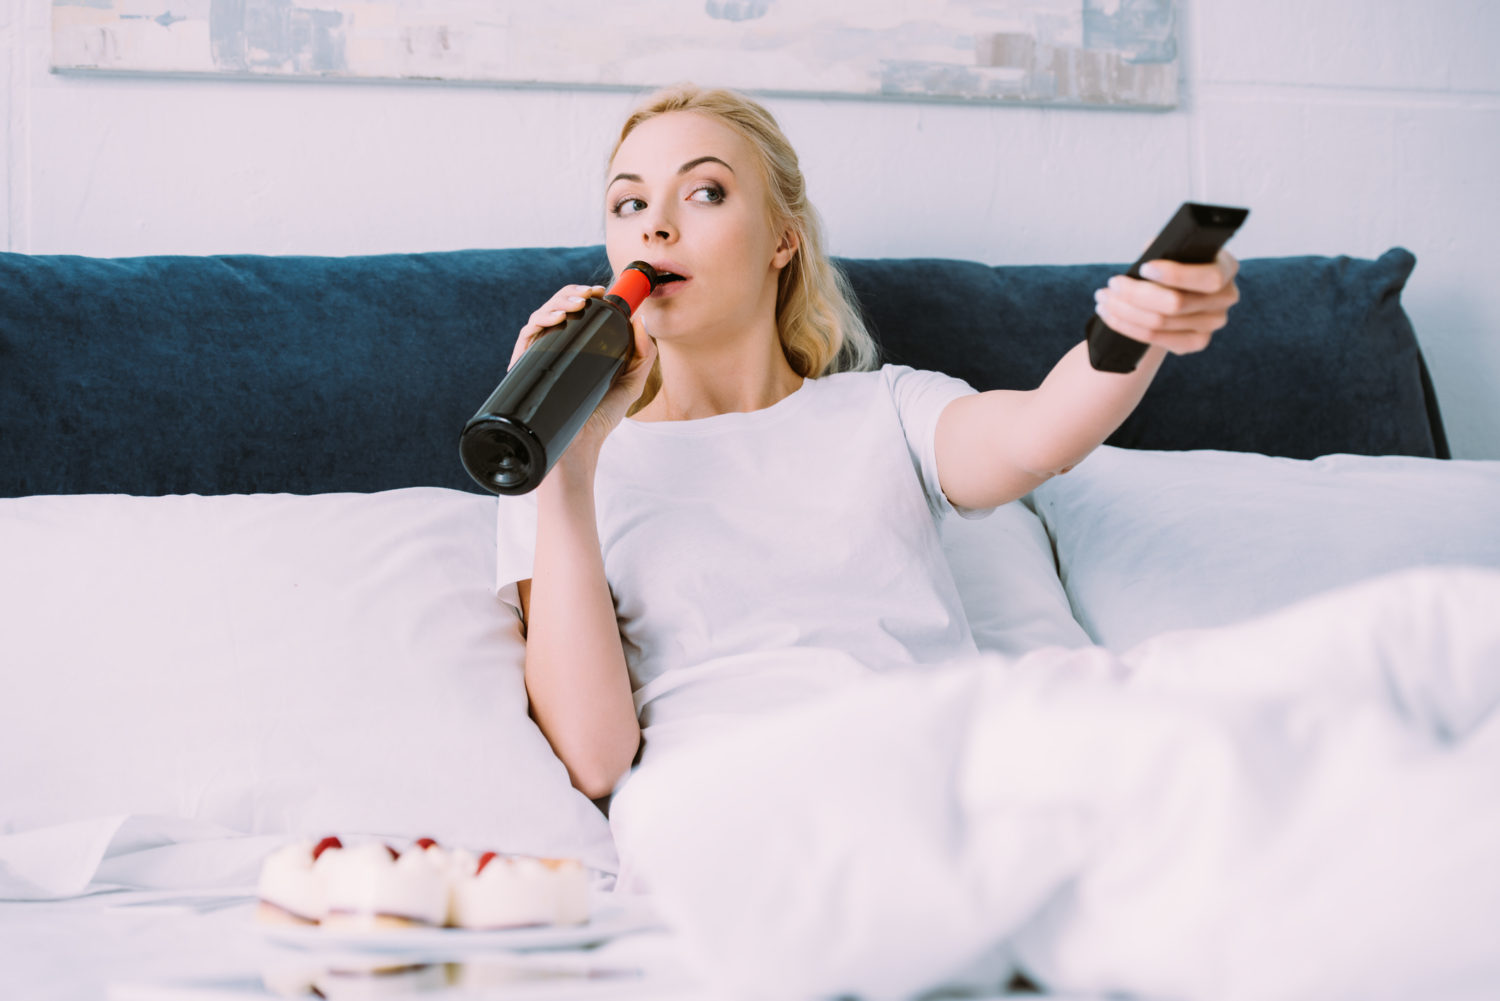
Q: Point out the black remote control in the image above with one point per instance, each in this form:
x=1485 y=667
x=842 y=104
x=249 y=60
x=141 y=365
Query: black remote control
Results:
x=1193 y=236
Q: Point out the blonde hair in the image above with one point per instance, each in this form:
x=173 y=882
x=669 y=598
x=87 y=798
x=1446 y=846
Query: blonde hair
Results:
x=820 y=327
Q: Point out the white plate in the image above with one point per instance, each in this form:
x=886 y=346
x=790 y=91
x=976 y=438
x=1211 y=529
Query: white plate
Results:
x=610 y=920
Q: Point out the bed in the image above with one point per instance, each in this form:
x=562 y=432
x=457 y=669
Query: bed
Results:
x=247 y=596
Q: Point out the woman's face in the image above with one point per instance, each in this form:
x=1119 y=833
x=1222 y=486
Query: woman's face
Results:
x=686 y=195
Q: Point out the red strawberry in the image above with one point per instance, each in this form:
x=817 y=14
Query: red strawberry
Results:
x=324 y=845
x=426 y=843
x=484 y=860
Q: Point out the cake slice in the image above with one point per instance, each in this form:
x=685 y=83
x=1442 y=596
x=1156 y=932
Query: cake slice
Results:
x=291 y=885
x=517 y=891
x=373 y=887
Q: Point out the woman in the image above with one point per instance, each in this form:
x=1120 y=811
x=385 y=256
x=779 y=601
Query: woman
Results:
x=1275 y=810
x=762 y=526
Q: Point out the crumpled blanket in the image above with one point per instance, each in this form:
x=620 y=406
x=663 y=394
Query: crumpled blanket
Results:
x=128 y=852
x=1302 y=806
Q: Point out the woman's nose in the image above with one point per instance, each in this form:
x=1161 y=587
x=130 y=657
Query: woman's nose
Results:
x=660 y=226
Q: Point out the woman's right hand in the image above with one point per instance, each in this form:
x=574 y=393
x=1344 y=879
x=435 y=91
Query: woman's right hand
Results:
x=628 y=384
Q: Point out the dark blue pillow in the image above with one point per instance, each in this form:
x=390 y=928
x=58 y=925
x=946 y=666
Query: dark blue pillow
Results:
x=252 y=374
x=243 y=374
x=1318 y=356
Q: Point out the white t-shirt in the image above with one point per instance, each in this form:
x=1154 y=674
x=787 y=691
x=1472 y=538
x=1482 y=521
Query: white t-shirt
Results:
x=757 y=559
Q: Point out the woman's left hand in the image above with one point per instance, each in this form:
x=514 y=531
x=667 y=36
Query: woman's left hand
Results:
x=1179 y=308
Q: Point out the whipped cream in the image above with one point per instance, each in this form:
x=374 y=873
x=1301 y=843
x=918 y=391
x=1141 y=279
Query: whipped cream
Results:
x=292 y=881
x=515 y=891
x=365 y=885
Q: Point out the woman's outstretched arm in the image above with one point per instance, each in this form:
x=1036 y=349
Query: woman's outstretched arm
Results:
x=995 y=447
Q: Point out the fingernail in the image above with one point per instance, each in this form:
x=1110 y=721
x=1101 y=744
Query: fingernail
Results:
x=1100 y=295
x=575 y=298
x=1151 y=271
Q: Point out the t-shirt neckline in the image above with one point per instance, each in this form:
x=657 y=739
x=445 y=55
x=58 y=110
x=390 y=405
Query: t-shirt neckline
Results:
x=737 y=420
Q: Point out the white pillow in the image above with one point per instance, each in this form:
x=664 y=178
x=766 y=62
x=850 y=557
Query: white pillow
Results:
x=275 y=663
x=1007 y=579
x=1153 y=541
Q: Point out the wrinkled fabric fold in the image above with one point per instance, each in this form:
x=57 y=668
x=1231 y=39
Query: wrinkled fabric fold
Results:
x=127 y=852
x=1297 y=808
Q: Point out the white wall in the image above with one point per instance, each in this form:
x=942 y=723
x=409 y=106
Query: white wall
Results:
x=1347 y=126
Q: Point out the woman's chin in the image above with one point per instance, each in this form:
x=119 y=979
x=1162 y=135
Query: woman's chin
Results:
x=665 y=321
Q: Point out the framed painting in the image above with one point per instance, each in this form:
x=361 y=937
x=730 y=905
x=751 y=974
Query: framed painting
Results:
x=1096 y=53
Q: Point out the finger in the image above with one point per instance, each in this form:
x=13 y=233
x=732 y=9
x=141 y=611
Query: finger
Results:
x=1206 y=278
x=523 y=342
x=1185 y=344
x=644 y=354
x=1119 y=313
x=645 y=344
x=569 y=293
x=1175 y=341
x=574 y=296
x=528 y=335
x=568 y=299
x=556 y=310
x=537 y=324
x=1228 y=263
x=544 y=318
x=1156 y=298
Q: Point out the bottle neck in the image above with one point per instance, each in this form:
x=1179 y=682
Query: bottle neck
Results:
x=618 y=303
x=633 y=286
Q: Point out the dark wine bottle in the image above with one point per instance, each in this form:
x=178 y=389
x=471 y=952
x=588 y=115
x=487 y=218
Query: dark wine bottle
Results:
x=543 y=401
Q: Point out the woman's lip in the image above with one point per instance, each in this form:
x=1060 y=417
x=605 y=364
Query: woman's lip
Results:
x=669 y=288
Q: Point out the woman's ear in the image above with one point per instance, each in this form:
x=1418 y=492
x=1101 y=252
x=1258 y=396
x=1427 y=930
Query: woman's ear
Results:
x=786 y=249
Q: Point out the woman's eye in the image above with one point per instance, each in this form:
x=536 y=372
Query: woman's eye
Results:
x=627 y=206
x=710 y=193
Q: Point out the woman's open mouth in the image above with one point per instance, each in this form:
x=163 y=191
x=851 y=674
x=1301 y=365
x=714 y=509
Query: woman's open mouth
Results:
x=667 y=282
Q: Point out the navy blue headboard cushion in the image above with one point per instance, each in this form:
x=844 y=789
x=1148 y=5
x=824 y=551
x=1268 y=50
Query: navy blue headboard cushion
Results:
x=243 y=374
x=1318 y=356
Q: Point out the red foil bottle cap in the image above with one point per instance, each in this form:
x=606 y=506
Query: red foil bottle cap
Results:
x=634 y=284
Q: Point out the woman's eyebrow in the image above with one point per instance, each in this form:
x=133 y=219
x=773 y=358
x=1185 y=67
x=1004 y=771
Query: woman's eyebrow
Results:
x=680 y=170
x=703 y=159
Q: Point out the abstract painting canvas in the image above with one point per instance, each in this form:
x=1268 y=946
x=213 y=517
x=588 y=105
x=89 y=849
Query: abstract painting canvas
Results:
x=1102 y=53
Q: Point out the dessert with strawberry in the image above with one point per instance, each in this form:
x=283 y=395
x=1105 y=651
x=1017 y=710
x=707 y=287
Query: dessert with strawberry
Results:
x=373 y=887
x=291 y=883
x=514 y=891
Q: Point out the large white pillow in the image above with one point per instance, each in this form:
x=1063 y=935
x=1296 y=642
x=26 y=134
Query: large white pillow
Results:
x=1153 y=541
x=1007 y=579
x=334 y=663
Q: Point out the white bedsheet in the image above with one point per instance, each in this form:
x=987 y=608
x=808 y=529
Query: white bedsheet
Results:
x=132 y=946
x=1304 y=806
x=1301 y=808
x=132 y=908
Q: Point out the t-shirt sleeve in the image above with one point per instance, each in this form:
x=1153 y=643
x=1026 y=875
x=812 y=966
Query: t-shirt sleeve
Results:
x=920 y=397
x=515 y=544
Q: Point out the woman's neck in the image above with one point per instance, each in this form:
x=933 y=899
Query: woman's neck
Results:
x=698 y=384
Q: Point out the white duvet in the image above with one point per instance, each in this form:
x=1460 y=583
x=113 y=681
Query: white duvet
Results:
x=1303 y=806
